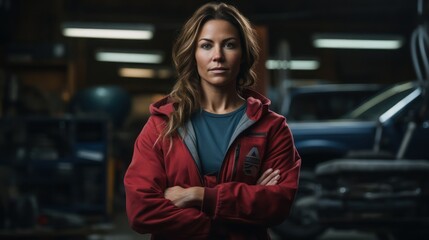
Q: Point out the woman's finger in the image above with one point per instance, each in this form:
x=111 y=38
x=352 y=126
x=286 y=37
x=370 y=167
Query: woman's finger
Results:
x=268 y=177
x=274 y=180
x=264 y=175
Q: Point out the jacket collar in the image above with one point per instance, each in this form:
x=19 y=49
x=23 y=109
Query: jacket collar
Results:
x=257 y=105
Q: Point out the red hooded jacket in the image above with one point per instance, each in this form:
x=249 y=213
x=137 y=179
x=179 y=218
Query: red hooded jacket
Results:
x=234 y=206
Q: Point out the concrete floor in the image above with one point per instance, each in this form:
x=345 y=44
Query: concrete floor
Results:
x=121 y=231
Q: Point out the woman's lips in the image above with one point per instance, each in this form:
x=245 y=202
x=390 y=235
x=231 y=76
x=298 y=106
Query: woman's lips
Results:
x=218 y=70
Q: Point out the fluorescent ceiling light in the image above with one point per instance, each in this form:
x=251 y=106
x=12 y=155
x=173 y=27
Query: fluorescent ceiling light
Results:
x=303 y=64
x=144 y=73
x=164 y=73
x=357 y=42
x=108 y=30
x=292 y=64
x=137 y=72
x=129 y=57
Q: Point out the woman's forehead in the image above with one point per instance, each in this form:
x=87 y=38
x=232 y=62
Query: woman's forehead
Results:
x=217 y=28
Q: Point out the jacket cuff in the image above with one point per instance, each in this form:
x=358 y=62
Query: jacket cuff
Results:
x=209 y=201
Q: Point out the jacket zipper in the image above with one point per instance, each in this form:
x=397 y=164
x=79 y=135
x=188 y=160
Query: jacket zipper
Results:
x=200 y=176
x=236 y=155
x=234 y=166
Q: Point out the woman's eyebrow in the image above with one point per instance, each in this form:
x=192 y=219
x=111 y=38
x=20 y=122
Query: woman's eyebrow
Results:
x=205 y=39
x=230 y=38
x=224 y=40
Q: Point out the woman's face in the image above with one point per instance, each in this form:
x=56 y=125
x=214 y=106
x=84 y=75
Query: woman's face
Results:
x=218 y=54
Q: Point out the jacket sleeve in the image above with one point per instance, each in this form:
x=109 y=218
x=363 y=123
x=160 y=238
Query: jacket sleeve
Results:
x=255 y=204
x=145 y=182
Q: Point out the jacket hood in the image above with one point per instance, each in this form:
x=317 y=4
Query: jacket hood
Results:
x=257 y=105
x=162 y=107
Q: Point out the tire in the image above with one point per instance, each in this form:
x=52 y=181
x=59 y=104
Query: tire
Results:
x=414 y=234
x=302 y=223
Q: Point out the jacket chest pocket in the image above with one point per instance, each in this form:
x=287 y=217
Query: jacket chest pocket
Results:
x=249 y=156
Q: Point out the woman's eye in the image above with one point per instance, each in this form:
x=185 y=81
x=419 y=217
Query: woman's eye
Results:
x=230 y=45
x=205 y=46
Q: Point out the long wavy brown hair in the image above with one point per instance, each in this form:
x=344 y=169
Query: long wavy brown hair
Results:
x=186 y=93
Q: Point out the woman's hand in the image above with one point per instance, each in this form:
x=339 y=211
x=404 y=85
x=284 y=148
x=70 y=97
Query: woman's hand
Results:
x=269 y=177
x=193 y=196
x=185 y=197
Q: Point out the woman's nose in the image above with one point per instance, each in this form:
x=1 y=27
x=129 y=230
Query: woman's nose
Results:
x=218 y=54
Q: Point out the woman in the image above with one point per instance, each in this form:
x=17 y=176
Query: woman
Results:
x=212 y=162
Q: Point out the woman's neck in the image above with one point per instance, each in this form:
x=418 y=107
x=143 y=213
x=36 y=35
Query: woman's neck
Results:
x=221 y=102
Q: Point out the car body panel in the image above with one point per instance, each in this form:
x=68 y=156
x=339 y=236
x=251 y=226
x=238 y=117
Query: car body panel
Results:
x=318 y=141
x=324 y=101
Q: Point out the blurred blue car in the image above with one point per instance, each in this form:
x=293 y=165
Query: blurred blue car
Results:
x=375 y=129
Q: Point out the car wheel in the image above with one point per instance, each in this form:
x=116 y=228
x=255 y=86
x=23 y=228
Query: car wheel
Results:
x=303 y=222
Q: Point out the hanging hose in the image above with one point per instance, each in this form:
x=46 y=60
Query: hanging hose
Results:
x=414 y=55
x=422 y=48
x=419 y=45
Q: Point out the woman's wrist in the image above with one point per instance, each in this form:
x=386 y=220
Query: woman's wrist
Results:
x=197 y=195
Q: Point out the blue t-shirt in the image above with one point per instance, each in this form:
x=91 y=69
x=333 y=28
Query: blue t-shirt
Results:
x=213 y=133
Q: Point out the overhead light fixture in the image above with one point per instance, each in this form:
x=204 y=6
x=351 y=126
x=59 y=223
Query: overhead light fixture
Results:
x=137 y=73
x=130 y=72
x=129 y=56
x=292 y=64
x=108 y=30
x=357 y=41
